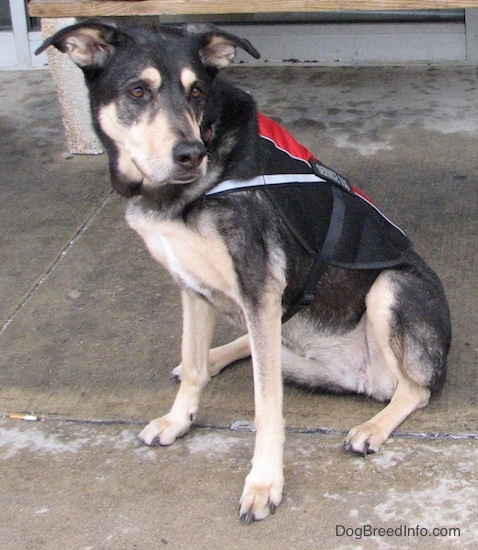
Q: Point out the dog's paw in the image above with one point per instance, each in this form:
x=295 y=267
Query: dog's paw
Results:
x=177 y=372
x=163 y=431
x=259 y=500
x=365 y=439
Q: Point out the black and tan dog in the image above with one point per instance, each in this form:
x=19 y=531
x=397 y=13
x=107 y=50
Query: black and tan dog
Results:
x=252 y=226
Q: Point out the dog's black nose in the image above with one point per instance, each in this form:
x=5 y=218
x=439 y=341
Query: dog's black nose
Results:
x=189 y=154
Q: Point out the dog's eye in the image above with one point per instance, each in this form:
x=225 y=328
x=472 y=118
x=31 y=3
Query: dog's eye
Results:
x=196 y=92
x=137 y=92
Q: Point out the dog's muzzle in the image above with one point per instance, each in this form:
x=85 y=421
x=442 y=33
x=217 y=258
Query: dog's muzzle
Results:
x=189 y=154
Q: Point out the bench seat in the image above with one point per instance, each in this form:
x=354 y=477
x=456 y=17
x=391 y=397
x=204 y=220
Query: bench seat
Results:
x=70 y=87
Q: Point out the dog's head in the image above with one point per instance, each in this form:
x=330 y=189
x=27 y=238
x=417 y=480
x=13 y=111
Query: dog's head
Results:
x=149 y=86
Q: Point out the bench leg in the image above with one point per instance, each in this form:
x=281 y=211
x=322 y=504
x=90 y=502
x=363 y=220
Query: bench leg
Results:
x=72 y=94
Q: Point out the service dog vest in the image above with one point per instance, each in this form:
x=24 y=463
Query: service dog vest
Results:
x=335 y=222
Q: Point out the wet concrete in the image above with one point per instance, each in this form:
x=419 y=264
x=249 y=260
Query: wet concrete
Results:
x=91 y=486
x=91 y=326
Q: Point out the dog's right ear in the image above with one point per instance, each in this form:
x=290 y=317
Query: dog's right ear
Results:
x=89 y=43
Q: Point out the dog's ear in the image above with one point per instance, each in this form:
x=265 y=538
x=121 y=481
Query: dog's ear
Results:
x=218 y=48
x=89 y=43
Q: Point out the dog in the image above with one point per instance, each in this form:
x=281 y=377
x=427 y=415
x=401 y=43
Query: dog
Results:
x=252 y=226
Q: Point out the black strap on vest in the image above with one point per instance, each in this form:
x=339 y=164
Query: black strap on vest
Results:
x=322 y=260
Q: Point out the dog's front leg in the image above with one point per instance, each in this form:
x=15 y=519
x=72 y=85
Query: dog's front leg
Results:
x=263 y=487
x=198 y=325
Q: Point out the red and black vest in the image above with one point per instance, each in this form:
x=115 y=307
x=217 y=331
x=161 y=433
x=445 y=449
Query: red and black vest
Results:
x=335 y=222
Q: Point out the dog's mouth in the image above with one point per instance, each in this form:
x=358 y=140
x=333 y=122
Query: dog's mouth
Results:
x=183 y=170
x=177 y=176
x=128 y=189
x=181 y=173
x=184 y=180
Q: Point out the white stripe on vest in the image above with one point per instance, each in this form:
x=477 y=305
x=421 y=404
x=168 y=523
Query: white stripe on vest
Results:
x=277 y=179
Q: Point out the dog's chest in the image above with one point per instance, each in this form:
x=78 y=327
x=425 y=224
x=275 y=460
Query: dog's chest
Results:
x=197 y=260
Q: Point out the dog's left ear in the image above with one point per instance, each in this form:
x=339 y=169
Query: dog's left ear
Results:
x=218 y=48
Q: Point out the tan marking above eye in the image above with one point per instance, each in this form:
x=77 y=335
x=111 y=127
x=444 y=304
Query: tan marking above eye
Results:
x=188 y=79
x=152 y=76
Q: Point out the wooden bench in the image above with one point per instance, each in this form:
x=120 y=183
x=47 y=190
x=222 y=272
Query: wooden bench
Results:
x=71 y=90
x=105 y=8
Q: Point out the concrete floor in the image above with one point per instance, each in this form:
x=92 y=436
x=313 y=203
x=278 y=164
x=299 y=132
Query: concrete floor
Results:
x=90 y=331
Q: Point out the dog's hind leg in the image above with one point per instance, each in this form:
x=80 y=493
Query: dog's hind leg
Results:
x=222 y=356
x=198 y=325
x=399 y=366
x=369 y=437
